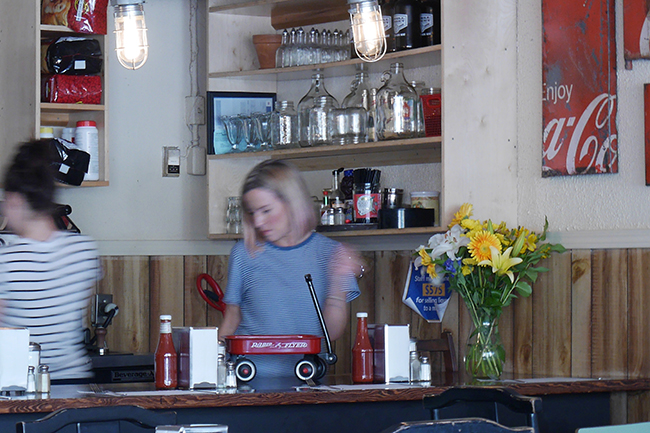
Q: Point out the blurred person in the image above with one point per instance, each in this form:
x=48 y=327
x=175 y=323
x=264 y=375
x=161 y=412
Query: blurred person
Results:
x=266 y=293
x=47 y=276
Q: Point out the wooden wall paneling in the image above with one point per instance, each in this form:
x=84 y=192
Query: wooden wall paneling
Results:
x=581 y=313
x=522 y=353
x=450 y=323
x=391 y=268
x=465 y=327
x=552 y=318
x=618 y=408
x=638 y=406
x=166 y=293
x=506 y=330
x=195 y=307
x=609 y=313
x=638 y=318
x=365 y=302
x=217 y=268
x=127 y=278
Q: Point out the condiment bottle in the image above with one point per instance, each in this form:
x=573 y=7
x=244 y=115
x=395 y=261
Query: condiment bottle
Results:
x=425 y=369
x=231 y=376
x=362 y=352
x=31 y=380
x=166 y=359
x=221 y=371
x=87 y=138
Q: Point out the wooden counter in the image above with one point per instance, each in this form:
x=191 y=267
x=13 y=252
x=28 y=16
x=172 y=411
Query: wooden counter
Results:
x=145 y=395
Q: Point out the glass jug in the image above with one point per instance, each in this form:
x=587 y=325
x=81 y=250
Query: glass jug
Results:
x=307 y=102
x=397 y=104
x=360 y=94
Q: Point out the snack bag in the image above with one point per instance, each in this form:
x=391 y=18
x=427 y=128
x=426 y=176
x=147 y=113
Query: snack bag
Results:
x=55 y=12
x=88 y=16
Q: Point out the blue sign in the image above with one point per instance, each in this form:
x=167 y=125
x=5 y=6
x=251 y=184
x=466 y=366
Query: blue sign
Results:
x=425 y=296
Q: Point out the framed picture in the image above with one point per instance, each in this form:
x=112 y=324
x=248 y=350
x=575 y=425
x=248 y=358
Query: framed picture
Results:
x=228 y=104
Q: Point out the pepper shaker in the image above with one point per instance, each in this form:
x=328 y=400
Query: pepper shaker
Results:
x=43 y=379
x=231 y=378
x=31 y=380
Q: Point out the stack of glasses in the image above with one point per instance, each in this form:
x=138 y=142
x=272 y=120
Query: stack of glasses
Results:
x=300 y=48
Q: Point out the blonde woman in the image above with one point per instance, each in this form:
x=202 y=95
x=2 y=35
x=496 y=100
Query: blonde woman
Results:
x=266 y=292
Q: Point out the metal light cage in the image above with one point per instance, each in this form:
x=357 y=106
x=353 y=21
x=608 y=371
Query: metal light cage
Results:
x=368 y=29
x=130 y=33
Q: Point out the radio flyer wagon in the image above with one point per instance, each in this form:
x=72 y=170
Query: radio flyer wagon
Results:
x=312 y=366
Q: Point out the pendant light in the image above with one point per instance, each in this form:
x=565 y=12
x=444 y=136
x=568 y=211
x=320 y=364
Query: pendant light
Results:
x=367 y=29
x=130 y=33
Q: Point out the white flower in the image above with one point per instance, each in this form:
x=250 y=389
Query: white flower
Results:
x=447 y=243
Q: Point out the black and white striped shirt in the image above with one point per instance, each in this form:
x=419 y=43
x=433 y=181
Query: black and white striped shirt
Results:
x=46 y=287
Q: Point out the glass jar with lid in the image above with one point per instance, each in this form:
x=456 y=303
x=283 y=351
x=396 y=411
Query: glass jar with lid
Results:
x=319 y=130
x=284 y=126
x=397 y=104
x=234 y=215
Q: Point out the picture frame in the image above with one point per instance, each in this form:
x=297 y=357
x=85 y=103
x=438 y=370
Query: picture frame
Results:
x=231 y=104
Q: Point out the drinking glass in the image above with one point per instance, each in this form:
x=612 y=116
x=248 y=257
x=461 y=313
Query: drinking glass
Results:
x=234 y=130
x=251 y=135
x=262 y=123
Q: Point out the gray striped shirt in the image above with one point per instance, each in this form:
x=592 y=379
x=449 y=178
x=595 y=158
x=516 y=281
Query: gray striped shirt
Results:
x=46 y=287
x=274 y=299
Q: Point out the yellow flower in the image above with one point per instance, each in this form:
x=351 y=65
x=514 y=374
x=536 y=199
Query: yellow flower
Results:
x=465 y=211
x=426 y=258
x=466 y=270
x=431 y=270
x=471 y=225
x=479 y=245
x=501 y=263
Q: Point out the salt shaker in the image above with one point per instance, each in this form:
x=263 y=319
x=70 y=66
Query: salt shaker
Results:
x=221 y=371
x=425 y=369
x=43 y=379
x=414 y=372
x=31 y=380
x=231 y=378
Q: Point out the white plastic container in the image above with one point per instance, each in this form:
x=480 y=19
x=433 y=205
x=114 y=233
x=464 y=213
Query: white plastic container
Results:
x=46 y=132
x=68 y=134
x=86 y=137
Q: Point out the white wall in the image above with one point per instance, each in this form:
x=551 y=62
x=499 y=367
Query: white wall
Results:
x=616 y=205
x=141 y=212
x=493 y=87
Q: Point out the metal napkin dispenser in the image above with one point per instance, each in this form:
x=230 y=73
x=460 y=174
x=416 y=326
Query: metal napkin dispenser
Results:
x=197 y=350
x=391 y=345
x=14 y=358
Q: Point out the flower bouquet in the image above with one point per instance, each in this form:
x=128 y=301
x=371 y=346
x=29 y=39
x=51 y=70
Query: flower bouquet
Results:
x=488 y=265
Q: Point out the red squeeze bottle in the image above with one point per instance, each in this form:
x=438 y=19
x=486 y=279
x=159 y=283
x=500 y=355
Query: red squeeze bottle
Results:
x=166 y=359
x=362 y=353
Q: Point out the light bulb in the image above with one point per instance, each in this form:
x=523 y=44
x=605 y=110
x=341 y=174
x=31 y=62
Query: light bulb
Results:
x=367 y=29
x=130 y=35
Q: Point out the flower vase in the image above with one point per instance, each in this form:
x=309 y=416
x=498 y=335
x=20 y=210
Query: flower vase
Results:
x=485 y=353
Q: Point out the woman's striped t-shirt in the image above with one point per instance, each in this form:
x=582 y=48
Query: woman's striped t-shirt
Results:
x=47 y=287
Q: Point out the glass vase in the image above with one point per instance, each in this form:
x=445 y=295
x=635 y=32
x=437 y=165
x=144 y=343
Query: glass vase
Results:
x=485 y=353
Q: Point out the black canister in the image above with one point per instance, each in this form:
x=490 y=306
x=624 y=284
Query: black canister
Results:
x=392 y=198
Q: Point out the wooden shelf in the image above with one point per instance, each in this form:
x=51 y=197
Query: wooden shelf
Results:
x=351 y=233
x=411 y=59
x=48 y=106
x=391 y=152
x=288 y=13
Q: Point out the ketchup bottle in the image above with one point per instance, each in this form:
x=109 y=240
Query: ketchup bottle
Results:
x=166 y=360
x=362 y=353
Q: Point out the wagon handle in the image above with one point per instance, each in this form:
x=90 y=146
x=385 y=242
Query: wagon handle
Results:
x=330 y=357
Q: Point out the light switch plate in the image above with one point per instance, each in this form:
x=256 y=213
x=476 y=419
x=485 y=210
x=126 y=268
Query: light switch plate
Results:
x=171 y=161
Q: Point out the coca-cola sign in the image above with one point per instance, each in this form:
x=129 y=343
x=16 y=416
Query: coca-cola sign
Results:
x=636 y=29
x=579 y=88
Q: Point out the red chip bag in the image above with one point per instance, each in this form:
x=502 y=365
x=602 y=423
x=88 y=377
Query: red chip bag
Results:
x=72 y=89
x=88 y=16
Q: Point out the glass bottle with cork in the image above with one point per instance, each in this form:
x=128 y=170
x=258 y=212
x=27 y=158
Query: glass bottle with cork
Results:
x=166 y=359
x=362 y=352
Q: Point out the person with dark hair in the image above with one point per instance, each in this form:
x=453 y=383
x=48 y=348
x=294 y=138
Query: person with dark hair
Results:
x=266 y=292
x=47 y=276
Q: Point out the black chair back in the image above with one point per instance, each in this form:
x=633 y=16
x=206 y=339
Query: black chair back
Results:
x=497 y=404
x=465 y=425
x=110 y=419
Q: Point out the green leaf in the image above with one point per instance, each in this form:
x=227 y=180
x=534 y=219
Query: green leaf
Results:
x=524 y=288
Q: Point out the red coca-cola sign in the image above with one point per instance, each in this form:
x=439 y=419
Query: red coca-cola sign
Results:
x=579 y=88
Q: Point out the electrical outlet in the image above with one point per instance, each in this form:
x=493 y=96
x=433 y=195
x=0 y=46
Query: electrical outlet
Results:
x=194 y=110
x=171 y=161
